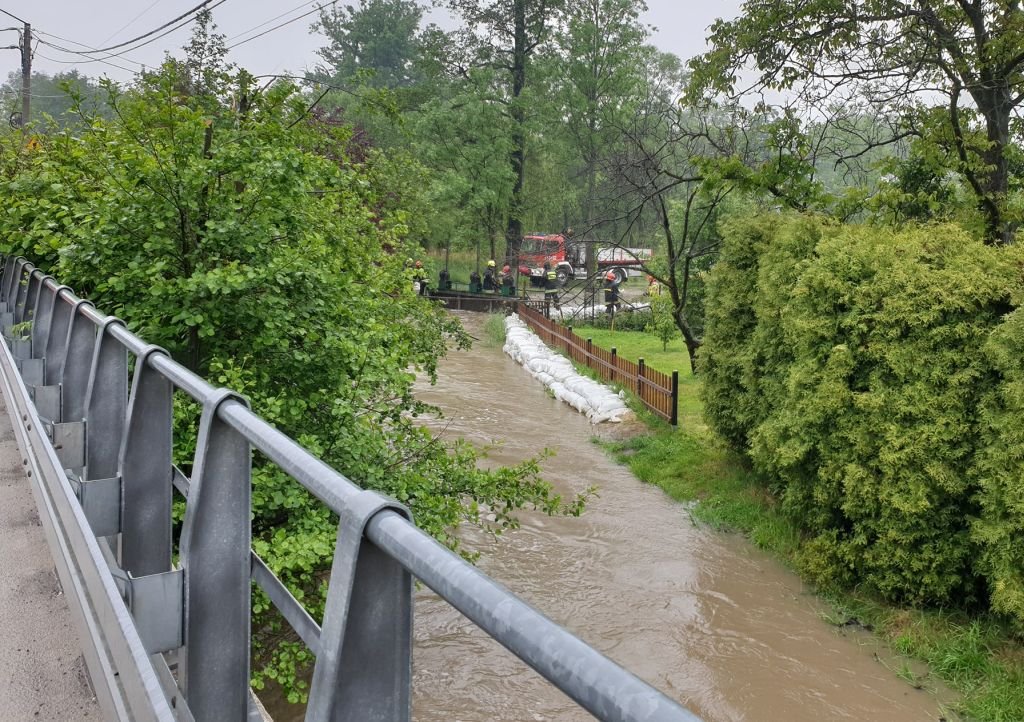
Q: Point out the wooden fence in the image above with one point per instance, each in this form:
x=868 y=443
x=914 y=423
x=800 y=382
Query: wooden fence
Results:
x=658 y=391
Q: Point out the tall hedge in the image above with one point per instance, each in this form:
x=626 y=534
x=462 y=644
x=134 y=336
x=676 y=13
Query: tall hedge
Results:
x=999 y=530
x=871 y=394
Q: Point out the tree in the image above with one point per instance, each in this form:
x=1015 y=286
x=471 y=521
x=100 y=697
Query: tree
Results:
x=55 y=96
x=896 y=56
x=233 y=228
x=464 y=139
x=679 y=167
x=379 y=38
x=506 y=35
x=602 y=49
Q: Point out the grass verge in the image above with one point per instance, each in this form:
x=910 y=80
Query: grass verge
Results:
x=494 y=330
x=978 y=657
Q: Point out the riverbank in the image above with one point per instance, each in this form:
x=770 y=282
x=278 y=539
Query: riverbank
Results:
x=977 y=656
x=708 y=618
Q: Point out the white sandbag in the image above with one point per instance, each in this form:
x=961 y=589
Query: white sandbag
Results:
x=597 y=401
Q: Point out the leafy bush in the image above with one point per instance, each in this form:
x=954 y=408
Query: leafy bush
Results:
x=637 y=320
x=860 y=369
x=245 y=239
x=999 y=530
x=662 y=324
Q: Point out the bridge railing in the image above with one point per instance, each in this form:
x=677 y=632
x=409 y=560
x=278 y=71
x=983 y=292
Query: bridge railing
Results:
x=169 y=638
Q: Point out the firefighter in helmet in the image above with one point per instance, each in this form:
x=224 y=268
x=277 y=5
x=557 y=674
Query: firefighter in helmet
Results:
x=550 y=287
x=490 y=282
x=507 y=280
x=611 y=293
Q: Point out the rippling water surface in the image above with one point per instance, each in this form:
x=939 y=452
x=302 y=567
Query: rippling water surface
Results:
x=703 y=616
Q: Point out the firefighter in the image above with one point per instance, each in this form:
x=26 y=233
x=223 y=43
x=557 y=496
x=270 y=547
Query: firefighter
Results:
x=444 y=280
x=508 y=281
x=611 y=293
x=474 y=282
x=550 y=288
x=490 y=284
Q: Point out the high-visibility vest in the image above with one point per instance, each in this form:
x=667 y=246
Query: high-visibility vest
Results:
x=552 y=282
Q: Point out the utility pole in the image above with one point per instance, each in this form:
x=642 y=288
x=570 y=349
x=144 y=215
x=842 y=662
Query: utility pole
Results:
x=26 y=74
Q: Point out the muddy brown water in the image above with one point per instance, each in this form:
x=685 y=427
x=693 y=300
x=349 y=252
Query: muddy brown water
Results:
x=703 y=616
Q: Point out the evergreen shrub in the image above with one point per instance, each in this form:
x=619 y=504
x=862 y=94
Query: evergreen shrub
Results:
x=874 y=377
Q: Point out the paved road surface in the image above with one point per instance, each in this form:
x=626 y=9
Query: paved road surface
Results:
x=42 y=673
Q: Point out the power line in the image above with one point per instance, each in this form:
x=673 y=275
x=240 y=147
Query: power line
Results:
x=129 y=23
x=198 y=7
x=88 y=53
x=276 y=17
x=83 y=54
x=89 y=50
x=319 y=8
x=82 y=62
x=12 y=15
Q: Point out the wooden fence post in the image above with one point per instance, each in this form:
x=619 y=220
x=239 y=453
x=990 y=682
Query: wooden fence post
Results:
x=639 y=379
x=675 y=398
x=615 y=361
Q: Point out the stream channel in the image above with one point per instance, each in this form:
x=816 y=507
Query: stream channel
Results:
x=702 y=615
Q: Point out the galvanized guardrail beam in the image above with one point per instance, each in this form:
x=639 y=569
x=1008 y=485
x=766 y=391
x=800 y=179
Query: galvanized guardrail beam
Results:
x=171 y=642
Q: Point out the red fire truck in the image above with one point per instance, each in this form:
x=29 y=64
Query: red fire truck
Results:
x=569 y=257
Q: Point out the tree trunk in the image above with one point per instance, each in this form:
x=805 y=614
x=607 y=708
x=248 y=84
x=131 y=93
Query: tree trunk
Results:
x=996 y=181
x=591 y=257
x=514 y=228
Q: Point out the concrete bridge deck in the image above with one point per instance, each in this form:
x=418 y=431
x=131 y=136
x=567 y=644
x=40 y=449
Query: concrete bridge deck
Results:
x=42 y=672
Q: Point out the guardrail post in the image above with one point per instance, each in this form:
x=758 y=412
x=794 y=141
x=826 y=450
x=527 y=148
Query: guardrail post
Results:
x=364 y=666
x=145 y=467
x=215 y=543
x=106 y=402
x=41 y=321
x=640 y=379
x=675 y=398
x=10 y=263
x=57 y=340
x=76 y=364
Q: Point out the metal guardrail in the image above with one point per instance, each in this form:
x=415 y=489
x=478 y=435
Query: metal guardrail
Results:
x=170 y=641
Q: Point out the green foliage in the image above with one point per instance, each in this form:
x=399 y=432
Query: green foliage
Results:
x=835 y=58
x=378 y=38
x=494 y=330
x=728 y=360
x=266 y=251
x=999 y=528
x=854 y=366
x=639 y=320
x=55 y=98
x=662 y=323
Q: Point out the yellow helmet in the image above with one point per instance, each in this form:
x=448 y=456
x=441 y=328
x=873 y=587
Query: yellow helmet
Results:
x=490 y=264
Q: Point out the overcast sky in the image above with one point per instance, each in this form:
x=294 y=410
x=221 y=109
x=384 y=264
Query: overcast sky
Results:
x=73 y=24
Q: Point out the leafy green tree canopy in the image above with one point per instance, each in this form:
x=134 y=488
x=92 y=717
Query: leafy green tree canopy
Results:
x=379 y=38
x=266 y=250
x=949 y=71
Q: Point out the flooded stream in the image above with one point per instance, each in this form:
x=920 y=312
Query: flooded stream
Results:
x=703 y=616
